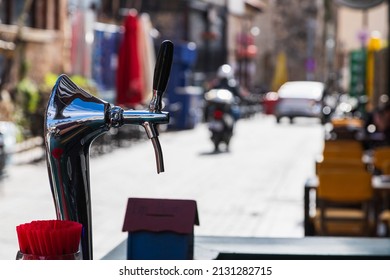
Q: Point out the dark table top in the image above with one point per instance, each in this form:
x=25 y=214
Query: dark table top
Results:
x=253 y=248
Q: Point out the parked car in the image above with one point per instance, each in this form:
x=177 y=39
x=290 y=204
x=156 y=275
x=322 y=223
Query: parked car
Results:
x=299 y=99
x=269 y=102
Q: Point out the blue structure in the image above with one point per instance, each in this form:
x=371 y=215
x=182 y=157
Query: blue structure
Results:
x=184 y=100
x=160 y=229
x=107 y=38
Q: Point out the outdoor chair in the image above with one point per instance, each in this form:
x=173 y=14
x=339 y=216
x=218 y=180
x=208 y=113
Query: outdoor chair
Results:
x=346 y=149
x=384 y=219
x=381 y=160
x=347 y=122
x=346 y=128
x=344 y=200
x=336 y=163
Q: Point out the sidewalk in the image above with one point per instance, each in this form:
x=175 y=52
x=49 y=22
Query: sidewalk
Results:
x=254 y=190
x=28 y=152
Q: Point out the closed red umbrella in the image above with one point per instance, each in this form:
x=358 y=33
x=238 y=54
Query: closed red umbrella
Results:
x=129 y=81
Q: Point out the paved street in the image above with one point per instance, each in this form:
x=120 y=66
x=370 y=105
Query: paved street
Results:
x=256 y=189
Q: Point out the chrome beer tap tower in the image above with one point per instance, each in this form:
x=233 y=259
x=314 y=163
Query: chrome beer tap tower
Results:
x=74 y=118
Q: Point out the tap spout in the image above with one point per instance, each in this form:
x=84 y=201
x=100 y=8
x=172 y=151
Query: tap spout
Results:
x=152 y=133
x=158 y=154
x=149 y=121
x=161 y=77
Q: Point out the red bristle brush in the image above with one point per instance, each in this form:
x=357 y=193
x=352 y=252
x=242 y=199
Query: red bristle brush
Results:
x=47 y=239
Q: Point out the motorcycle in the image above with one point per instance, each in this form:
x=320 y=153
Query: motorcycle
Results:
x=221 y=113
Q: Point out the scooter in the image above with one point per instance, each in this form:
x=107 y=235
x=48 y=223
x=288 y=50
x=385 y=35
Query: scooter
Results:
x=220 y=115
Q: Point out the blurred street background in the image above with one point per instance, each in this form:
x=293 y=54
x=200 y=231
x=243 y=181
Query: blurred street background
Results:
x=109 y=47
x=256 y=189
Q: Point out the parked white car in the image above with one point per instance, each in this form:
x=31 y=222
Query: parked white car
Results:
x=300 y=99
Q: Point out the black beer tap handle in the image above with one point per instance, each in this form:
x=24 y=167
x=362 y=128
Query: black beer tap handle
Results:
x=161 y=74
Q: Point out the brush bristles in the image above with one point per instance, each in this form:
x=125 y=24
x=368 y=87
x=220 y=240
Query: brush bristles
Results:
x=49 y=237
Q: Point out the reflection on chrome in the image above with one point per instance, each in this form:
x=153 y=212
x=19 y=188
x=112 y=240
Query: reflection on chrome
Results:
x=72 y=123
x=74 y=118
